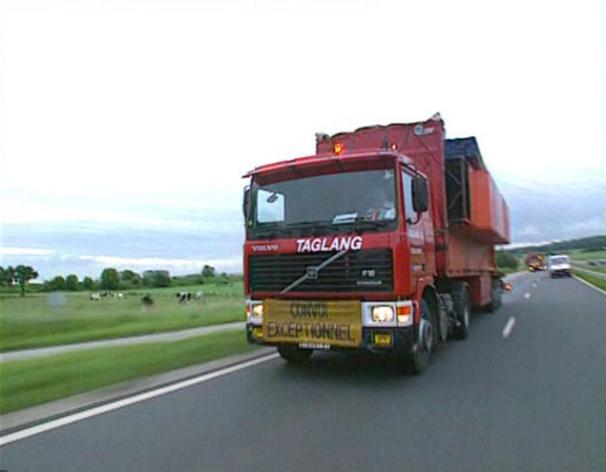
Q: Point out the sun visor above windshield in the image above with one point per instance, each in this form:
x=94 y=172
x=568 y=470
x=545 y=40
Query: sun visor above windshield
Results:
x=317 y=165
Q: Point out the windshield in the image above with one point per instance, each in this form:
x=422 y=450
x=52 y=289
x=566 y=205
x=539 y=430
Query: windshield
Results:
x=338 y=202
x=558 y=260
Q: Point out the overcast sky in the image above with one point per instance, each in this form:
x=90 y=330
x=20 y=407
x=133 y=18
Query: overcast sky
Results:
x=126 y=125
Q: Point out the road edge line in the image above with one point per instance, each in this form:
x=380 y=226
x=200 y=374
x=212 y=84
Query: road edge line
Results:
x=603 y=292
x=130 y=400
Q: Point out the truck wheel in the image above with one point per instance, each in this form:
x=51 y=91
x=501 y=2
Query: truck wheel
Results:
x=462 y=309
x=496 y=297
x=294 y=355
x=417 y=362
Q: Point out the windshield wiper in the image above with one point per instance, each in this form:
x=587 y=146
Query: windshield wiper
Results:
x=373 y=223
x=268 y=231
x=306 y=223
x=289 y=229
x=360 y=225
x=316 y=227
x=266 y=234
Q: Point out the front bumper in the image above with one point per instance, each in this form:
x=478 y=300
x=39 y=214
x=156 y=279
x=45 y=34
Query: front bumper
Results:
x=560 y=272
x=383 y=340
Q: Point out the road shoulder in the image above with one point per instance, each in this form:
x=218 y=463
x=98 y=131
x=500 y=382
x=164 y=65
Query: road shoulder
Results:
x=589 y=284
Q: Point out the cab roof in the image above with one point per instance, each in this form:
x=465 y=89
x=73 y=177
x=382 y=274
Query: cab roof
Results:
x=345 y=161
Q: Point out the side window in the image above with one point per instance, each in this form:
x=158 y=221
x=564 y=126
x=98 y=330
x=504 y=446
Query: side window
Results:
x=270 y=207
x=410 y=214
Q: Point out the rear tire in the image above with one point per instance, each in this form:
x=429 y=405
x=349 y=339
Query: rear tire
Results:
x=294 y=355
x=462 y=309
x=496 y=297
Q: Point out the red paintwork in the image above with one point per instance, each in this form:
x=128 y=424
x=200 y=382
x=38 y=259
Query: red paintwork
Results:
x=434 y=249
x=480 y=289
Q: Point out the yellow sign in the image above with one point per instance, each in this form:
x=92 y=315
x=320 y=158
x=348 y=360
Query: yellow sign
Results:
x=337 y=323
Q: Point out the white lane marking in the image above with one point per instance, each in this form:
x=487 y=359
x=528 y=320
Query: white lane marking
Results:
x=527 y=296
x=603 y=292
x=534 y=285
x=41 y=428
x=509 y=327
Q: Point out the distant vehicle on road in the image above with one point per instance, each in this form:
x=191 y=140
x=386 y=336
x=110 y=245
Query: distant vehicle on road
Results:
x=559 y=266
x=382 y=241
x=535 y=262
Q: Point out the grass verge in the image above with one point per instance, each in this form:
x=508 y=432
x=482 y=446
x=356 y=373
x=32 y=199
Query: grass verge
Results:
x=509 y=270
x=35 y=381
x=50 y=319
x=593 y=280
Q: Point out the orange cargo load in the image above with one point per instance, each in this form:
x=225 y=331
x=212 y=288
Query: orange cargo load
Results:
x=475 y=206
x=489 y=212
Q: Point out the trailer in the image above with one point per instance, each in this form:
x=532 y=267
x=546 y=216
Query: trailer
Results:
x=382 y=241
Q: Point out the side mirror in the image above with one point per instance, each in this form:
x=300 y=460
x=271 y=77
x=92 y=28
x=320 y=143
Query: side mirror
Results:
x=420 y=194
x=245 y=200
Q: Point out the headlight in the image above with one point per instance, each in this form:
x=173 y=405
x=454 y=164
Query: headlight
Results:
x=382 y=314
x=257 y=311
x=254 y=311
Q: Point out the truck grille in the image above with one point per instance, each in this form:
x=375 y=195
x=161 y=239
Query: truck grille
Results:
x=356 y=271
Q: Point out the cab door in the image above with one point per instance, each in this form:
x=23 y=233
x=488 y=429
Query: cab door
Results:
x=416 y=228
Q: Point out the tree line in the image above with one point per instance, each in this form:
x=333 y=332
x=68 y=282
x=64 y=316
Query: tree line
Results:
x=588 y=244
x=110 y=279
x=507 y=261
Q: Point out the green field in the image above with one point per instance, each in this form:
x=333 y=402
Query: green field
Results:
x=36 y=381
x=509 y=270
x=47 y=319
x=577 y=255
x=582 y=259
x=600 y=268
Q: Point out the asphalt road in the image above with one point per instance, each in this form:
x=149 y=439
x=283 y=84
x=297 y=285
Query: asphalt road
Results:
x=535 y=401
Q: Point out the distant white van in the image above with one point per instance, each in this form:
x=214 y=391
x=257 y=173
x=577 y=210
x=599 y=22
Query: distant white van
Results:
x=559 y=266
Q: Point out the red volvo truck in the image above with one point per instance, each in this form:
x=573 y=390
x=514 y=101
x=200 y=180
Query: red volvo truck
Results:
x=382 y=241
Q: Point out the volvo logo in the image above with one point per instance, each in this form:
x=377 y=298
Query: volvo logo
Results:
x=312 y=273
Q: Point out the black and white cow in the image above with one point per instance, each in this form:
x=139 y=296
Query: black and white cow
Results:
x=183 y=297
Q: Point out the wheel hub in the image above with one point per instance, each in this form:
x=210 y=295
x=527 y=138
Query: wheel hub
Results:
x=426 y=335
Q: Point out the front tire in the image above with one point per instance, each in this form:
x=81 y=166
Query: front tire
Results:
x=294 y=355
x=417 y=362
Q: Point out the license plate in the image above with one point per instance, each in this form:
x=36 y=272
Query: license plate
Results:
x=314 y=346
x=332 y=323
